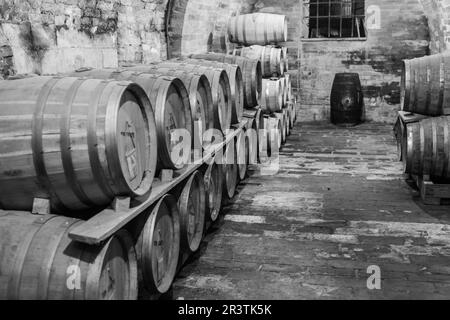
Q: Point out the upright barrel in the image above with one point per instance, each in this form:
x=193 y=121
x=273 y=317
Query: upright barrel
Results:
x=157 y=237
x=200 y=94
x=272 y=59
x=236 y=83
x=346 y=100
x=77 y=142
x=272 y=95
x=258 y=28
x=428 y=148
x=251 y=72
x=220 y=88
x=170 y=101
x=214 y=190
x=39 y=261
x=425 y=85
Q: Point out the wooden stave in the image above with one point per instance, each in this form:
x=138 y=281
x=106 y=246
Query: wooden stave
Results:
x=192 y=245
x=214 y=190
x=43 y=257
x=218 y=78
x=73 y=189
x=143 y=229
x=236 y=83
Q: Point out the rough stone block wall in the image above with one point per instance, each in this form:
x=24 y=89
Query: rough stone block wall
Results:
x=404 y=34
x=54 y=36
x=438 y=15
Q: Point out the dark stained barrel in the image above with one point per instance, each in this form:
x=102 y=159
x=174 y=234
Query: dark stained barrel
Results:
x=428 y=148
x=77 y=142
x=157 y=234
x=346 y=100
x=38 y=261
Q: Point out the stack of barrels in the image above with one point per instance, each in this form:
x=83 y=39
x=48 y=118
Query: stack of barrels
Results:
x=260 y=36
x=71 y=145
x=425 y=143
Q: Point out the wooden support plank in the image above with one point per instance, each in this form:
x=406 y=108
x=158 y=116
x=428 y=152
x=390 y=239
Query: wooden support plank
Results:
x=106 y=223
x=431 y=193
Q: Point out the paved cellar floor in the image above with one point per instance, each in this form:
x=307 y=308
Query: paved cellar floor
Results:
x=338 y=206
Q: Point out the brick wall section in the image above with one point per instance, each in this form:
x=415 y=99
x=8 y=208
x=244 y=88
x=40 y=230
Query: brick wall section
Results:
x=404 y=34
x=52 y=36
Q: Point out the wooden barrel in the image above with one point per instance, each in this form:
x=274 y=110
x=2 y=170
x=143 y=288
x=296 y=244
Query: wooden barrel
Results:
x=274 y=135
x=272 y=96
x=251 y=72
x=40 y=262
x=170 y=101
x=425 y=85
x=77 y=142
x=288 y=88
x=272 y=59
x=258 y=28
x=346 y=100
x=230 y=171
x=214 y=189
x=157 y=236
x=428 y=148
x=192 y=207
x=286 y=122
x=242 y=153
x=200 y=95
x=236 y=83
x=220 y=88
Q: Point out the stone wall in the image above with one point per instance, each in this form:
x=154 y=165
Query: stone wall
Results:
x=53 y=36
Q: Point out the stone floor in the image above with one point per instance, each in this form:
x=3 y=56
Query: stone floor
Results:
x=338 y=205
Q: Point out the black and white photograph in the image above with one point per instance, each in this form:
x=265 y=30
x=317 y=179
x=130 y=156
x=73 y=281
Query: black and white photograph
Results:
x=215 y=157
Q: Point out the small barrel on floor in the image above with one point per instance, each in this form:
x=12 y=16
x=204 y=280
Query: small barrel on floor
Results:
x=346 y=100
x=40 y=262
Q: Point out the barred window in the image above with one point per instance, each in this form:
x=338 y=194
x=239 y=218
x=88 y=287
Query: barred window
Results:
x=335 y=18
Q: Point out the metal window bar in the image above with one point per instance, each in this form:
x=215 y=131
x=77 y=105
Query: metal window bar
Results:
x=348 y=11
